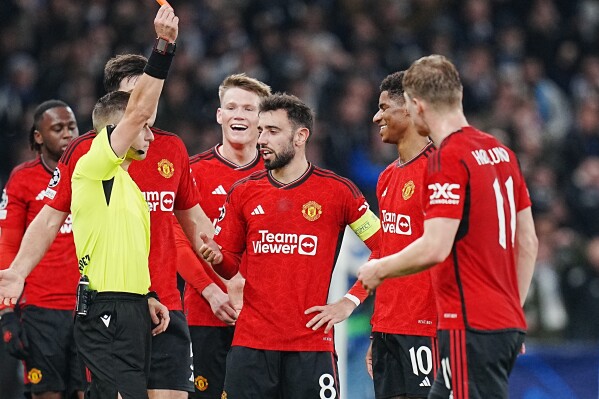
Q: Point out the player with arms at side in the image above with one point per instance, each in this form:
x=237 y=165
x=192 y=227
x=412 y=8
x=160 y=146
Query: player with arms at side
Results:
x=402 y=357
x=167 y=185
x=287 y=221
x=478 y=233
x=210 y=312
x=40 y=331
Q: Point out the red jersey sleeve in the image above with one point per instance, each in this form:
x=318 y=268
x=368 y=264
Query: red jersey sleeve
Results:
x=187 y=193
x=231 y=234
x=445 y=185
x=58 y=192
x=13 y=220
x=13 y=207
x=189 y=266
x=524 y=197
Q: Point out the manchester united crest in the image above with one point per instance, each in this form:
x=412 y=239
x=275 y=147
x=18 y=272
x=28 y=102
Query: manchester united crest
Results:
x=166 y=168
x=311 y=210
x=408 y=190
x=201 y=383
x=34 y=376
x=224 y=395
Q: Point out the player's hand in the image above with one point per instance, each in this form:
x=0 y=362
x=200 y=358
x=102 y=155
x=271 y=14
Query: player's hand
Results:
x=235 y=290
x=330 y=314
x=367 y=274
x=220 y=304
x=13 y=335
x=11 y=286
x=160 y=316
x=209 y=250
x=368 y=359
x=166 y=23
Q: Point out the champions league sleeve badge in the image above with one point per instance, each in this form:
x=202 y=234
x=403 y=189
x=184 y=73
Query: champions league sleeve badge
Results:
x=3 y=205
x=4 y=200
x=55 y=178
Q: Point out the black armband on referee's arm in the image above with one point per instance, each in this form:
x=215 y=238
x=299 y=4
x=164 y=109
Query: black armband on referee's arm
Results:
x=161 y=58
x=152 y=294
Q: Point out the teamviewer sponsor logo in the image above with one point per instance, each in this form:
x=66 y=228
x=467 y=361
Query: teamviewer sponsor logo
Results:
x=285 y=243
x=160 y=200
x=396 y=223
x=307 y=245
x=443 y=193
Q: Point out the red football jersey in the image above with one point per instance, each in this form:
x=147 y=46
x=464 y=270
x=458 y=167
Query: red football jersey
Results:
x=290 y=234
x=474 y=178
x=214 y=176
x=403 y=305
x=53 y=283
x=165 y=181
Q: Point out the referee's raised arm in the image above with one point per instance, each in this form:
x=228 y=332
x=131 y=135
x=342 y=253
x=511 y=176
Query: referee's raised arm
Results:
x=142 y=105
x=116 y=313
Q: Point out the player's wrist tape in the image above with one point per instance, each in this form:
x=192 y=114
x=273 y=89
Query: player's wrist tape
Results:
x=152 y=294
x=158 y=64
x=353 y=298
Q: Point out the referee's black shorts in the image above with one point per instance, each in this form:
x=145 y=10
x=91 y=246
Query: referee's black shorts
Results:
x=114 y=341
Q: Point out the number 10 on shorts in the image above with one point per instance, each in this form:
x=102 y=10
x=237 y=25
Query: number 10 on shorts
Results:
x=422 y=360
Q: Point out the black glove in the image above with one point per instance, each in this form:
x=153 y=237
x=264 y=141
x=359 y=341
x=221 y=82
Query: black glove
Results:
x=13 y=335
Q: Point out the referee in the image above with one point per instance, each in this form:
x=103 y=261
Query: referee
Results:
x=111 y=228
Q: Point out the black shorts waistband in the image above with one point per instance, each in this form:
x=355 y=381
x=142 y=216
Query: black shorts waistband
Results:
x=117 y=296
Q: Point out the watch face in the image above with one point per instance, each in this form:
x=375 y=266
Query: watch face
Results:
x=161 y=45
x=164 y=47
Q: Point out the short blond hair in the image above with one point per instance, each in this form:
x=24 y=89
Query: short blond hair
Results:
x=242 y=81
x=434 y=79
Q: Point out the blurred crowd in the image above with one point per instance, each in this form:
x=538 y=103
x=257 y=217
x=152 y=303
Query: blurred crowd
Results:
x=530 y=70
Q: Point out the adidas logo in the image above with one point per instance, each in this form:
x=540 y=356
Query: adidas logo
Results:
x=384 y=192
x=258 y=210
x=426 y=382
x=41 y=195
x=220 y=190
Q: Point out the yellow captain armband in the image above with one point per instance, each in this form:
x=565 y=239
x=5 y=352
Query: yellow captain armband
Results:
x=366 y=226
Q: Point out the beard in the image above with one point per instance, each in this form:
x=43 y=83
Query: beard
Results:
x=280 y=160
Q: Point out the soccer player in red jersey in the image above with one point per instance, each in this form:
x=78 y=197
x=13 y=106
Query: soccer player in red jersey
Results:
x=287 y=223
x=40 y=331
x=478 y=231
x=209 y=310
x=402 y=357
x=165 y=180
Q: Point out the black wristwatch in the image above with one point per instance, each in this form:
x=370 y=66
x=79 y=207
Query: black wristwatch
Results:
x=164 y=47
x=152 y=294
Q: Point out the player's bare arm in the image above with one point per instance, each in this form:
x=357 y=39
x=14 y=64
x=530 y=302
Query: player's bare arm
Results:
x=368 y=360
x=144 y=98
x=37 y=239
x=220 y=304
x=194 y=221
x=339 y=311
x=235 y=290
x=430 y=249
x=527 y=247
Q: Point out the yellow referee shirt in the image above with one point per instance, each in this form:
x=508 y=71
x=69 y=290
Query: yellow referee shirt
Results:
x=111 y=222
